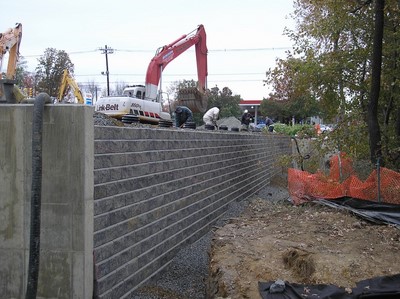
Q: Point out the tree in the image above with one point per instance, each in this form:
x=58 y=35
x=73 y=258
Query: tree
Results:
x=293 y=94
x=335 y=60
x=25 y=80
x=224 y=98
x=21 y=72
x=373 y=124
x=275 y=109
x=91 y=87
x=119 y=88
x=50 y=70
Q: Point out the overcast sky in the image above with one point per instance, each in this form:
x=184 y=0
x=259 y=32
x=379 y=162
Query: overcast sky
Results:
x=243 y=38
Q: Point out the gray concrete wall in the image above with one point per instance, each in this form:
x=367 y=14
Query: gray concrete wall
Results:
x=157 y=190
x=66 y=259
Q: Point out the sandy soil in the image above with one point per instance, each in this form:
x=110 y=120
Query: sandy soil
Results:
x=313 y=244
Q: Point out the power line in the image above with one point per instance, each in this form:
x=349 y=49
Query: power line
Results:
x=69 y=53
x=177 y=75
x=147 y=51
x=208 y=81
x=250 y=49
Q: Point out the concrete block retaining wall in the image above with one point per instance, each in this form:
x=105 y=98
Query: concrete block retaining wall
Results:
x=156 y=190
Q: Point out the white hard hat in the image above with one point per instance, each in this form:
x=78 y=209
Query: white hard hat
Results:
x=245 y=111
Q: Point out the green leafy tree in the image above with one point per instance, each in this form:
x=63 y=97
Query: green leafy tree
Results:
x=276 y=110
x=50 y=70
x=229 y=103
x=224 y=98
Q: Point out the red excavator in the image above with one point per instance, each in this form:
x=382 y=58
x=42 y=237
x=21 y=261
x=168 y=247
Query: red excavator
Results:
x=145 y=101
x=194 y=98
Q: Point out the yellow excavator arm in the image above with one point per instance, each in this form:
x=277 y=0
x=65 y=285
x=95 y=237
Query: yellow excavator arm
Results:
x=68 y=82
x=9 y=42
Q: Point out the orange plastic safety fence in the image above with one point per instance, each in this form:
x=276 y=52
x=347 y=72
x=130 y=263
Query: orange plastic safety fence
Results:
x=342 y=181
x=340 y=168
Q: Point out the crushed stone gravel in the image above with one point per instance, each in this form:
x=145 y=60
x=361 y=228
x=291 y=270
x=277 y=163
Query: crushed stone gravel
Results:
x=186 y=275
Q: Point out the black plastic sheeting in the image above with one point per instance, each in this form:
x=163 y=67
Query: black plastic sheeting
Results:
x=383 y=287
x=376 y=212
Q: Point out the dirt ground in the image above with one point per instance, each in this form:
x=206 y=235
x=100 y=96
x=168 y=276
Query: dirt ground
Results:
x=313 y=244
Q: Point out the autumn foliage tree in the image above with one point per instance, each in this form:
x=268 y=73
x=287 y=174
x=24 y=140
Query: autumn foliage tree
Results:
x=292 y=96
x=336 y=61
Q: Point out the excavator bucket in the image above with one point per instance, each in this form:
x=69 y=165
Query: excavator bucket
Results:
x=193 y=99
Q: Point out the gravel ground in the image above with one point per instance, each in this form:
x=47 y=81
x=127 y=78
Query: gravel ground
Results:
x=185 y=277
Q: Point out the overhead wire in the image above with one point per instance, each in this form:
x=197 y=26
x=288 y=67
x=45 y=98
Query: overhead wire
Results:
x=149 y=51
x=183 y=74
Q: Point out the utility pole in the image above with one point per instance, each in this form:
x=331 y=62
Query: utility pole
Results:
x=107 y=51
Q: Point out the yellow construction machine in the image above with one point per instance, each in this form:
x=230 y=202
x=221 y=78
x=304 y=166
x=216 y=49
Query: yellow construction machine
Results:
x=67 y=82
x=10 y=41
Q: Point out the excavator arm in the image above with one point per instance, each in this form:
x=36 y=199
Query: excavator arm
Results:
x=66 y=82
x=195 y=99
x=9 y=42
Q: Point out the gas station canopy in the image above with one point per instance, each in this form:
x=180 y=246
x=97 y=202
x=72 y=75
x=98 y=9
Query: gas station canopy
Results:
x=252 y=106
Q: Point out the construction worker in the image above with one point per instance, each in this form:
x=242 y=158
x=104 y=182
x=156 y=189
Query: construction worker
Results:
x=246 y=119
x=182 y=115
x=211 y=116
x=269 y=124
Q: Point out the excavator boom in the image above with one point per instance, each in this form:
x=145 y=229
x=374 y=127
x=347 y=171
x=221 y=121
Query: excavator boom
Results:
x=9 y=42
x=194 y=98
x=66 y=82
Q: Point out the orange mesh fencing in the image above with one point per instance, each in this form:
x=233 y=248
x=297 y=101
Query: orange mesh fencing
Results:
x=304 y=186
x=340 y=167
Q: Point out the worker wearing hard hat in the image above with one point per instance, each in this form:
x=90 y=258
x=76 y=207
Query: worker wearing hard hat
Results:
x=246 y=119
x=211 y=116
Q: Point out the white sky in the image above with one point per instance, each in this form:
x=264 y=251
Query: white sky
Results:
x=250 y=31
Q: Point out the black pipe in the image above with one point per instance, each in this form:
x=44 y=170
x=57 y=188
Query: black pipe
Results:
x=301 y=156
x=36 y=191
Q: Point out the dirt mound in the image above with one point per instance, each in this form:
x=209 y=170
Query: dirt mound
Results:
x=311 y=243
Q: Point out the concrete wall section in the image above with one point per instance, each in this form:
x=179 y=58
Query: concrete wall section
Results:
x=157 y=190
x=66 y=258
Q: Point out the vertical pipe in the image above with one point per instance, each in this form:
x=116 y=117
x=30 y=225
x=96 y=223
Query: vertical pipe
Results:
x=36 y=192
